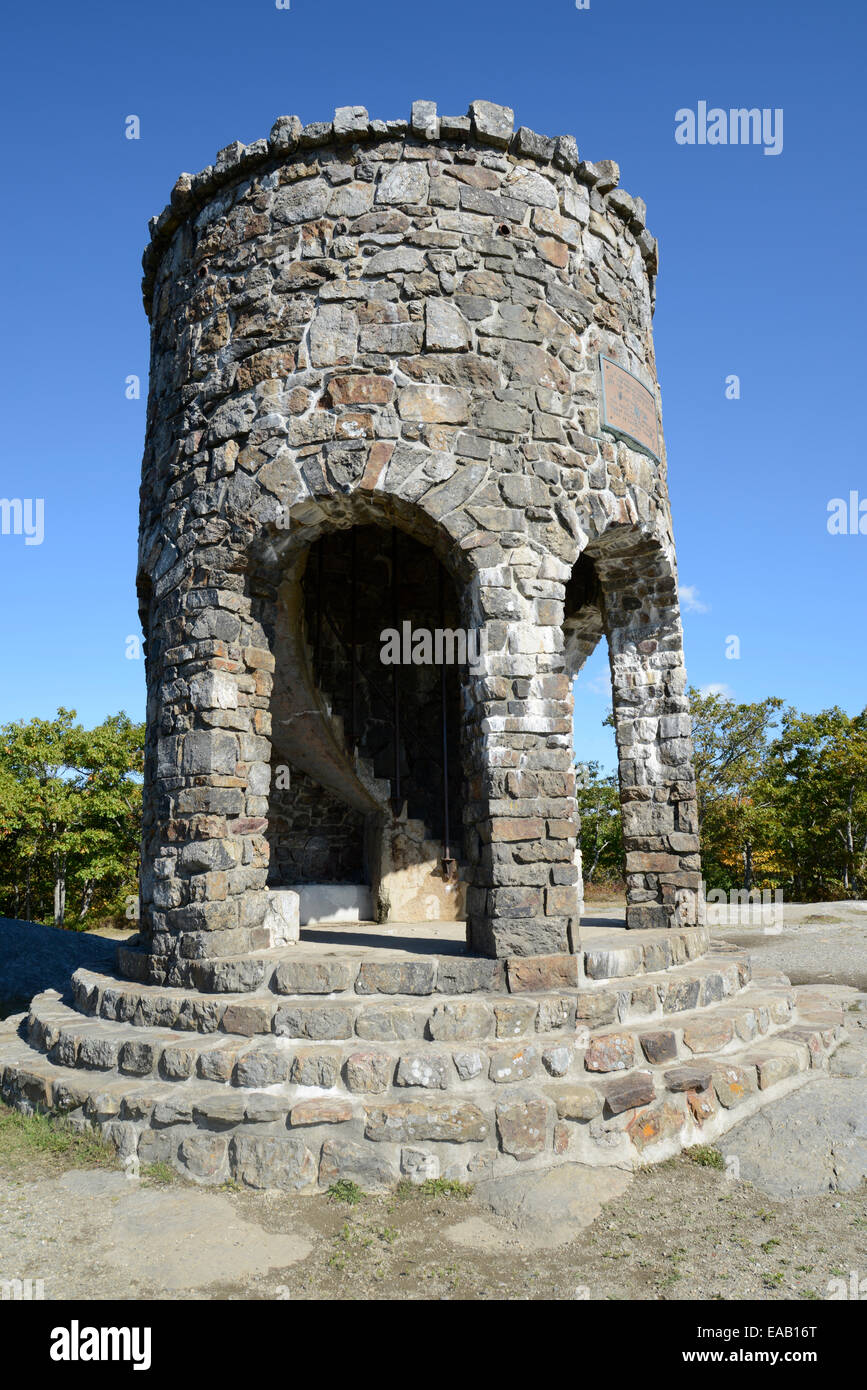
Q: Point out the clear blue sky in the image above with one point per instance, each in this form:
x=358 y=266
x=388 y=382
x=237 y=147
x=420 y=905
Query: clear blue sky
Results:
x=762 y=276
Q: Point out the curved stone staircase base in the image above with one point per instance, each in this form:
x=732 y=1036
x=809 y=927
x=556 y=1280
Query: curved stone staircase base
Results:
x=373 y=1065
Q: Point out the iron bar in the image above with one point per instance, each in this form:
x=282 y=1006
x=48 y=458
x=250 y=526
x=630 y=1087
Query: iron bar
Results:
x=448 y=863
x=320 y=604
x=353 y=618
x=395 y=682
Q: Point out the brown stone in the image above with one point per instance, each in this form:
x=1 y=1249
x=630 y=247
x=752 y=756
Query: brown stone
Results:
x=708 y=1034
x=626 y=1092
x=509 y=828
x=522 y=1127
x=610 y=1052
x=688 y=1078
x=654 y=1126
x=561 y=1138
x=659 y=1047
x=324 y=1111
x=526 y=973
x=369 y=1071
x=247 y=1019
x=360 y=390
x=702 y=1104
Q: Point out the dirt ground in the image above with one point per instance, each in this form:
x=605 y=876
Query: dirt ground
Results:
x=679 y=1231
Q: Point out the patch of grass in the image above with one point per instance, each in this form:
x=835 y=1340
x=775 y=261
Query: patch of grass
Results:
x=768 y=1245
x=345 y=1191
x=706 y=1156
x=24 y=1138
x=435 y=1187
x=159 y=1172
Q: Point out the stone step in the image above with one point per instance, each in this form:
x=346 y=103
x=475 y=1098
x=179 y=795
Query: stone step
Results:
x=341 y=1000
x=108 y=1060
x=641 y=952
x=297 y=1134
x=303 y=1115
x=645 y=953
x=295 y=971
x=512 y=1039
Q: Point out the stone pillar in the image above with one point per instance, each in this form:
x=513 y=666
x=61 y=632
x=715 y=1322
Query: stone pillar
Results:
x=204 y=894
x=521 y=814
x=654 y=745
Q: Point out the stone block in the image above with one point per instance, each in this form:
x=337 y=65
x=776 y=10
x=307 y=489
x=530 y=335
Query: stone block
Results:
x=526 y=973
x=627 y=1092
x=610 y=1052
x=344 y=1161
x=459 y=1122
x=272 y=1162
x=369 y=1071
x=522 y=1128
x=492 y=124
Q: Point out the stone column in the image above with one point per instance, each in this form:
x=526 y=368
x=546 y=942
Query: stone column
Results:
x=654 y=745
x=206 y=784
x=521 y=821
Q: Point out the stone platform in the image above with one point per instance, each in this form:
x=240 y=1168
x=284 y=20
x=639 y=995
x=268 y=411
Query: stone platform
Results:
x=372 y=1053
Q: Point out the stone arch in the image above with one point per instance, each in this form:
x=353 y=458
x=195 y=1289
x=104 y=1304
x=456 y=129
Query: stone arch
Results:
x=624 y=585
x=398 y=846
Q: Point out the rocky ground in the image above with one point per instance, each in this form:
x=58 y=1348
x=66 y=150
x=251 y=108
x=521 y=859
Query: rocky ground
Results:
x=778 y=1211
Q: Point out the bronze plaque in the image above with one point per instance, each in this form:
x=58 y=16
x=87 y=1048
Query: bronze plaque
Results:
x=628 y=407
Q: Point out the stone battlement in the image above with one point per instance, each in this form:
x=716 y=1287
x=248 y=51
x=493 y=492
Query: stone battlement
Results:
x=484 y=125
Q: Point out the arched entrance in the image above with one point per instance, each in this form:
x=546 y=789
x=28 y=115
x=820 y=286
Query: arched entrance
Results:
x=365 y=804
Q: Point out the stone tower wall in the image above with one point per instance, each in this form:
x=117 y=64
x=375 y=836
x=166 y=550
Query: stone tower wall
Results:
x=400 y=323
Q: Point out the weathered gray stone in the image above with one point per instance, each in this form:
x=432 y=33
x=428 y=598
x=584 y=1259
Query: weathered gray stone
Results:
x=492 y=124
x=271 y=1162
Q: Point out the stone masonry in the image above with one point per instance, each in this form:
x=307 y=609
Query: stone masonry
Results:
x=399 y=323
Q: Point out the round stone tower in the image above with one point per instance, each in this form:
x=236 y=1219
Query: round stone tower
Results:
x=403 y=380
x=440 y=326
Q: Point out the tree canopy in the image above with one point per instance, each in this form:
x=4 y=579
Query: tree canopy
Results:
x=70 y=818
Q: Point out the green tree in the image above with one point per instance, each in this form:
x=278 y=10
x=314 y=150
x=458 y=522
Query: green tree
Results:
x=70 y=816
x=601 y=837
x=817 y=774
x=732 y=742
